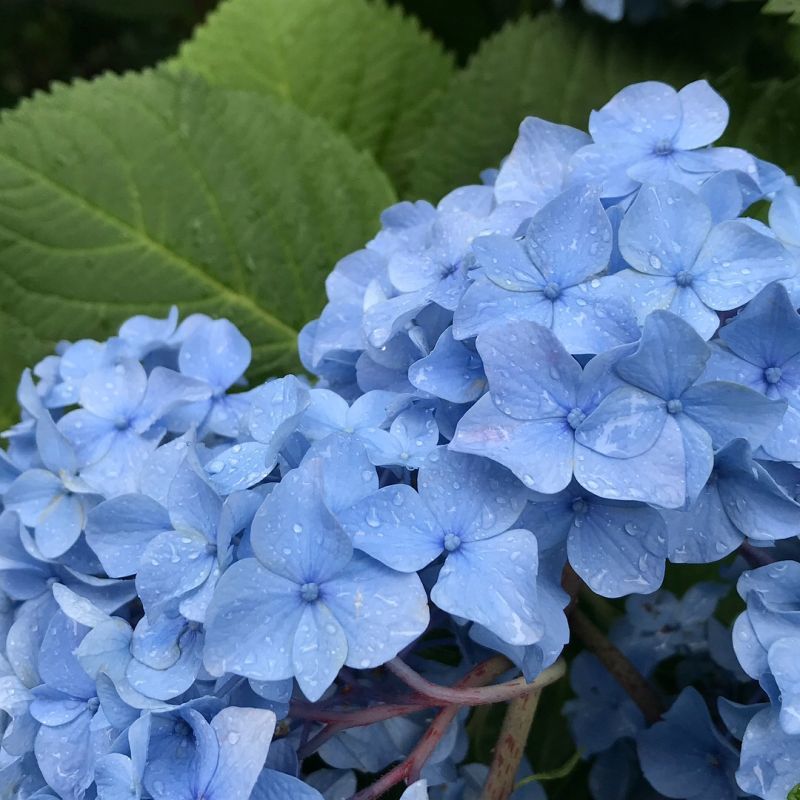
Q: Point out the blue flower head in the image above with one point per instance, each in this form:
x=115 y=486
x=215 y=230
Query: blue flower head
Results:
x=650 y=133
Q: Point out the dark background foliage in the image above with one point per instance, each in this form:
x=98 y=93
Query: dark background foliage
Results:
x=46 y=40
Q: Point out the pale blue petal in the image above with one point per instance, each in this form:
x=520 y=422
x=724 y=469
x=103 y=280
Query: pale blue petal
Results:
x=274 y=785
x=485 y=305
x=114 y=392
x=657 y=476
x=251 y=622
x=485 y=431
x=244 y=736
x=569 y=240
x=735 y=263
x=381 y=611
x=242 y=466
x=452 y=371
x=664 y=229
x=319 y=649
x=493 y=582
x=294 y=534
x=729 y=411
x=670 y=358
x=626 y=423
x=767 y=332
x=705 y=116
x=173 y=564
x=193 y=504
x=118 y=531
x=64 y=755
x=395 y=527
x=649 y=111
x=216 y=353
x=276 y=408
x=770 y=762
x=535 y=170
x=470 y=496
x=531 y=375
x=785 y=668
x=618 y=550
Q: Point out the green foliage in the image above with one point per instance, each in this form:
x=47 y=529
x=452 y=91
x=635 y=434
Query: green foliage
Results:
x=129 y=194
x=559 y=67
x=790 y=7
x=365 y=68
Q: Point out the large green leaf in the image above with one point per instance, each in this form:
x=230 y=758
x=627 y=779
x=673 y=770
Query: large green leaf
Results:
x=766 y=120
x=557 y=67
x=129 y=194
x=367 y=69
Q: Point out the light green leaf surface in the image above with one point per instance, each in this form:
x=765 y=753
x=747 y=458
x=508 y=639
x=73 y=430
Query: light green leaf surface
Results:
x=365 y=68
x=129 y=194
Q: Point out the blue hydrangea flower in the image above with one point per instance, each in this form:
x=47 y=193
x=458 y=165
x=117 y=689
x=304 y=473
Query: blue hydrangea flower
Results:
x=740 y=499
x=760 y=348
x=602 y=712
x=618 y=548
x=411 y=438
x=540 y=401
x=766 y=635
x=550 y=277
x=667 y=366
x=118 y=423
x=650 y=133
x=535 y=171
x=274 y=413
x=220 y=759
x=685 y=756
x=453 y=371
x=464 y=508
x=770 y=761
x=217 y=354
x=682 y=262
x=784 y=220
x=307 y=604
x=659 y=626
x=53 y=501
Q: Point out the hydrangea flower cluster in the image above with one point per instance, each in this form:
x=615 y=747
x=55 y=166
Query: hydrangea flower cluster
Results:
x=586 y=366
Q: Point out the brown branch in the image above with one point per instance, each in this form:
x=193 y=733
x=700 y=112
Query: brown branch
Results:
x=511 y=746
x=618 y=664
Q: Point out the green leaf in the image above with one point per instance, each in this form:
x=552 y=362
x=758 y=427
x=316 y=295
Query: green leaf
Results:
x=767 y=119
x=790 y=7
x=365 y=68
x=558 y=67
x=794 y=794
x=130 y=194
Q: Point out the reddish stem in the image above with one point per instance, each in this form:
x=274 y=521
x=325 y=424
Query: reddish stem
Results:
x=466 y=692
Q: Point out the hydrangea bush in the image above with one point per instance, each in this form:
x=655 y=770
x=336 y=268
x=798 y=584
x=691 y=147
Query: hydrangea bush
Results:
x=526 y=401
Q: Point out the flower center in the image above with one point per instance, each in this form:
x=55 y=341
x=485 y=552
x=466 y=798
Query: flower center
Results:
x=575 y=417
x=579 y=506
x=772 y=374
x=551 y=291
x=452 y=541
x=684 y=278
x=674 y=406
x=663 y=147
x=309 y=592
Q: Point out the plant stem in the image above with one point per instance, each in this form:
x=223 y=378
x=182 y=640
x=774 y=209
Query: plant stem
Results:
x=617 y=663
x=409 y=769
x=510 y=746
x=484 y=695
